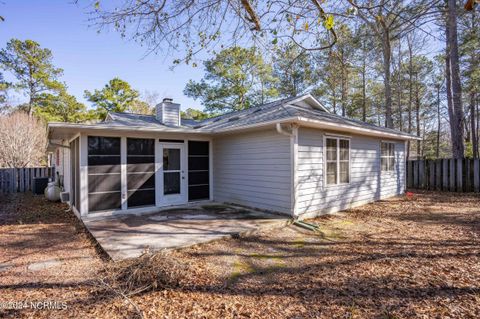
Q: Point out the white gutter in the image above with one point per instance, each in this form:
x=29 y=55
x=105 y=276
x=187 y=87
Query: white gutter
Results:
x=280 y=130
x=324 y=124
x=348 y=128
x=123 y=128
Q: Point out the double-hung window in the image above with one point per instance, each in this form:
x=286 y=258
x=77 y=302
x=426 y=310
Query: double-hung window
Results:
x=387 y=156
x=337 y=160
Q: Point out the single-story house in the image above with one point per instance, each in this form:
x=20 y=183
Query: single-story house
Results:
x=290 y=156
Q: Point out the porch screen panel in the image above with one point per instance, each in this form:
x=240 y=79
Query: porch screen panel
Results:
x=104 y=173
x=198 y=170
x=140 y=172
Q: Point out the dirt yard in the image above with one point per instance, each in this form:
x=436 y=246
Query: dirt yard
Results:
x=401 y=258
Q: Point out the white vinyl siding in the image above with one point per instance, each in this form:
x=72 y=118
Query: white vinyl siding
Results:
x=253 y=169
x=367 y=183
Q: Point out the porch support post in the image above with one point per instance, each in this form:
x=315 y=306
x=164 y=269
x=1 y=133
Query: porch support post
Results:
x=158 y=174
x=83 y=157
x=123 y=171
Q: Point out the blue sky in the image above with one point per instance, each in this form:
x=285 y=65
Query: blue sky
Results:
x=90 y=59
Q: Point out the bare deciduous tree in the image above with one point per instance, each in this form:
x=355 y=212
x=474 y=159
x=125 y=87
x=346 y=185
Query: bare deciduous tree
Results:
x=23 y=140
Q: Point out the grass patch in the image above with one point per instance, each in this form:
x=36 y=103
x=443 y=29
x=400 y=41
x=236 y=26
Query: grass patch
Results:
x=239 y=268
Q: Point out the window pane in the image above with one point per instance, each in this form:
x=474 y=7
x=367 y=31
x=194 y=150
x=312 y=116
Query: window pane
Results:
x=391 y=149
x=99 y=145
x=331 y=173
x=344 y=172
x=104 y=183
x=344 y=149
x=197 y=148
x=384 y=164
x=171 y=183
x=391 y=163
x=198 y=163
x=331 y=149
x=171 y=159
x=104 y=201
x=140 y=146
x=384 y=149
x=137 y=181
x=198 y=192
x=141 y=198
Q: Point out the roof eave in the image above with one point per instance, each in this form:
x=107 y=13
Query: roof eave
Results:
x=75 y=126
x=303 y=121
x=352 y=129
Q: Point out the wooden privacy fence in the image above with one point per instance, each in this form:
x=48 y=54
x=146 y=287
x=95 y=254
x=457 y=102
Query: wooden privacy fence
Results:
x=455 y=175
x=14 y=180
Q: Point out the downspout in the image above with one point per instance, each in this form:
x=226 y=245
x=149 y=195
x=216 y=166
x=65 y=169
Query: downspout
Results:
x=293 y=134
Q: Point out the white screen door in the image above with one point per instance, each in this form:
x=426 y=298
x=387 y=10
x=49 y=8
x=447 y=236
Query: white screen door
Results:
x=172 y=173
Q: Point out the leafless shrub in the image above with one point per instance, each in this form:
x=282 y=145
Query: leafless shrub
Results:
x=23 y=140
x=147 y=272
x=134 y=276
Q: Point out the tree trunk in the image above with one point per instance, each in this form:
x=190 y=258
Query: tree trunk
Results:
x=343 y=83
x=451 y=114
x=399 y=87
x=387 y=54
x=473 y=65
x=478 y=124
x=334 y=104
x=364 y=84
x=417 y=117
x=364 y=94
x=437 y=152
x=472 y=123
x=456 y=122
x=410 y=90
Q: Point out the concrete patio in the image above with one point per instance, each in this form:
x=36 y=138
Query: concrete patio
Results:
x=128 y=235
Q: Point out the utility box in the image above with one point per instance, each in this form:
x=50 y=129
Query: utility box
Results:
x=39 y=185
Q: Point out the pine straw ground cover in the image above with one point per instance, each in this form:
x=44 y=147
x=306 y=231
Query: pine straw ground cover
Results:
x=400 y=258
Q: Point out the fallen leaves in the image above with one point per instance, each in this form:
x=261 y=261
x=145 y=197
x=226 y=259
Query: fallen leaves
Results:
x=416 y=256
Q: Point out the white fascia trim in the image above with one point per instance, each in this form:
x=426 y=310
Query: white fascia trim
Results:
x=126 y=128
x=321 y=124
x=294 y=119
x=352 y=129
x=315 y=101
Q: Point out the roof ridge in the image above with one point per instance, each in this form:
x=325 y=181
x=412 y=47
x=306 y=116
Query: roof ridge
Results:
x=236 y=112
x=132 y=113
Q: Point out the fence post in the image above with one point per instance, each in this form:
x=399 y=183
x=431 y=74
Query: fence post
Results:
x=476 y=175
x=459 y=175
x=468 y=179
x=431 y=185
x=421 y=173
x=445 y=174
x=438 y=174
x=415 y=174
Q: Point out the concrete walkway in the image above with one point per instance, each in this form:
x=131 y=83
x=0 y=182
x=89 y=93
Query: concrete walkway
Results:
x=127 y=236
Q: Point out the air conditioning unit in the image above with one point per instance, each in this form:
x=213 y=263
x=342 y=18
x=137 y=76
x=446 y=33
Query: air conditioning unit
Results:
x=65 y=197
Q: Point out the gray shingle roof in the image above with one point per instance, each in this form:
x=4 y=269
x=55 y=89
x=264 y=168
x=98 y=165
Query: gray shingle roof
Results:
x=273 y=111
x=133 y=119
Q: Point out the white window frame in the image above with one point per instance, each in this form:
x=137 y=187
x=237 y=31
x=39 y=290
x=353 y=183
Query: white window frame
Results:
x=338 y=138
x=390 y=170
